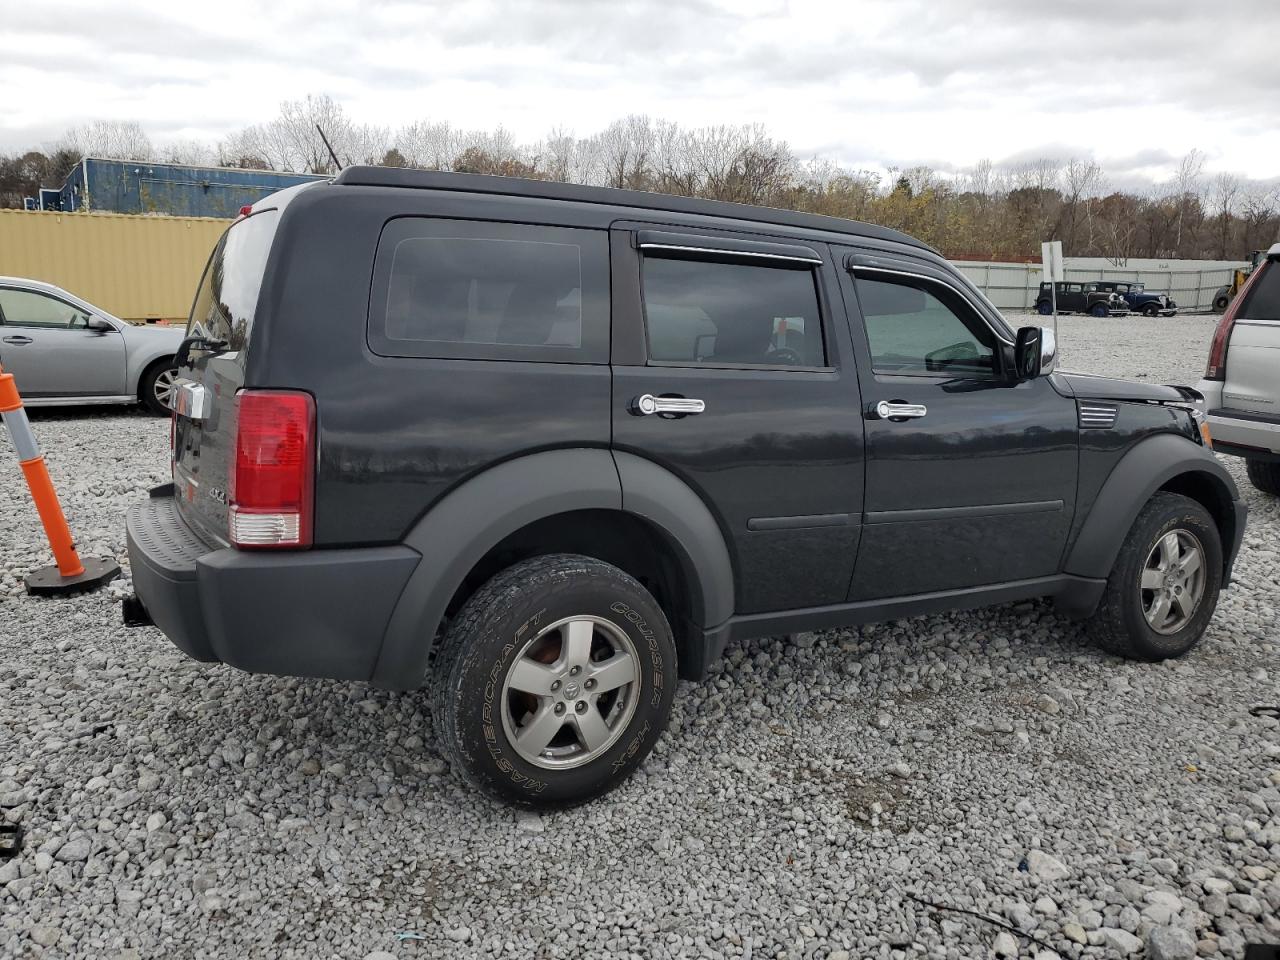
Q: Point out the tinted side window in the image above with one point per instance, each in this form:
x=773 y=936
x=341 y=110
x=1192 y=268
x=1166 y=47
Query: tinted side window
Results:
x=228 y=294
x=490 y=291
x=1264 y=297
x=916 y=327
x=22 y=308
x=701 y=311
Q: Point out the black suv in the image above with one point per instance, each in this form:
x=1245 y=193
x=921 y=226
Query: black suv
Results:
x=544 y=449
x=1088 y=298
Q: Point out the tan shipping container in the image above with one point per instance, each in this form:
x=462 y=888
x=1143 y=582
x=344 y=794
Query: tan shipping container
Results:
x=140 y=268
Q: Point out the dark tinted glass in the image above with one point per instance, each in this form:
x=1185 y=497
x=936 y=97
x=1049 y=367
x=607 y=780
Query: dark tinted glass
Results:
x=228 y=294
x=917 y=327
x=1264 y=296
x=698 y=311
x=489 y=291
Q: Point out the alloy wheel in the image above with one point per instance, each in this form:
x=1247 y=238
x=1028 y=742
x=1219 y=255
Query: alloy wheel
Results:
x=1173 y=581
x=164 y=386
x=570 y=692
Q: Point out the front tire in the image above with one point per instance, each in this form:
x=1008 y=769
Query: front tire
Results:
x=1044 y=307
x=1164 y=585
x=1099 y=310
x=1265 y=475
x=554 y=681
x=1151 y=310
x=156 y=386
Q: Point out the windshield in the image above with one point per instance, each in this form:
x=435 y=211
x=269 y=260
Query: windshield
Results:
x=228 y=294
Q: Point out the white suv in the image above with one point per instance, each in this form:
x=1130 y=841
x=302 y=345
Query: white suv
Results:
x=1241 y=384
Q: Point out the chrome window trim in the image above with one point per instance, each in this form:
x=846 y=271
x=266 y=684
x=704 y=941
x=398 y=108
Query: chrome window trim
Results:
x=1001 y=335
x=725 y=252
x=1244 y=322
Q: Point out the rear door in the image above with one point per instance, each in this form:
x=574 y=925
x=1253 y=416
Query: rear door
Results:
x=46 y=343
x=745 y=326
x=971 y=477
x=223 y=315
x=1253 y=358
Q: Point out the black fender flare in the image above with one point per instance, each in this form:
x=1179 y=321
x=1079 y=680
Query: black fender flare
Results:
x=1148 y=466
x=457 y=531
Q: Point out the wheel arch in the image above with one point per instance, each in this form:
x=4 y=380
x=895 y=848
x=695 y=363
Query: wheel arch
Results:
x=574 y=500
x=1164 y=462
x=145 y=369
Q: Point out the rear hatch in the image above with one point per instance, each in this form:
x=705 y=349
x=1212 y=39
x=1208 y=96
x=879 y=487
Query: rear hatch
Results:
x=1253 y=357
x=223 y=316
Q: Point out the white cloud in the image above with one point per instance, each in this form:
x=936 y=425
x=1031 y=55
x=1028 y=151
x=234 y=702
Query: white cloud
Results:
x=1133 y=83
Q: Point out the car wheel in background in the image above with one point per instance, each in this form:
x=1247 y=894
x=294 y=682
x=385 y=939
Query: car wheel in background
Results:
x=1151 y=310
x=1100 y=310
x=554 y=681
x=1044 y=308
x=1220 y=303
x=156 y=386
x=1265 y=475
x=1164 y=585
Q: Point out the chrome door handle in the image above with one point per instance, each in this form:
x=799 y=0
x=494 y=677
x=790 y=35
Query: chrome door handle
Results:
x=897 y=410
x=647 y=404
x=17 y=341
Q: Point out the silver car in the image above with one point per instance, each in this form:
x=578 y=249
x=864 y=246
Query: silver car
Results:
x=1242 y=382
x=64 y=350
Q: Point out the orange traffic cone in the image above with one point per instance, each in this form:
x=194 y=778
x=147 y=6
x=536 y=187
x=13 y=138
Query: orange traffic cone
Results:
x=69 y=574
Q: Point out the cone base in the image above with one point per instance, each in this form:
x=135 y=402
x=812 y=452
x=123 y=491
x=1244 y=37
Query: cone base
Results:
x=47 y=581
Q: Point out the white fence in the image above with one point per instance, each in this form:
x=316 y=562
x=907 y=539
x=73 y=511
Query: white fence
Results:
x=1013 y=286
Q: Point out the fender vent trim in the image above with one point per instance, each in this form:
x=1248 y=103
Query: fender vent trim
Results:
x=1096 y=416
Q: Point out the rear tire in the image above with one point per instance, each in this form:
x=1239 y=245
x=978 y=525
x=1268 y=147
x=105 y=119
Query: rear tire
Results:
x=554 y=681
x=1164 y=585
x=1265 y=475
x=156 y=386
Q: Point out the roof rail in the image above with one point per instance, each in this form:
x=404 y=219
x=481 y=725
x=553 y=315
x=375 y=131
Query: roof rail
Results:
x=368 y=176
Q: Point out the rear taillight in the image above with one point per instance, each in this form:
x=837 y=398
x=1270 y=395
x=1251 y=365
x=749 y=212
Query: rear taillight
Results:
x=1217 y=368
x=271 y=492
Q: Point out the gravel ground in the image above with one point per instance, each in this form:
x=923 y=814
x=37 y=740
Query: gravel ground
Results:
x=802 y=799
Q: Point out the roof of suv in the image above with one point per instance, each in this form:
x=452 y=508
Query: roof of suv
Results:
x=553 y=190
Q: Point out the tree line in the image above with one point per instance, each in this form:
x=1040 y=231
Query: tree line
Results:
x=990 y=211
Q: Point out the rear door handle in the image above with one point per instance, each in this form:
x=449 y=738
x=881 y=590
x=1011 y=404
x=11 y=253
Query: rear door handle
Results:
x=17 y=341
x=647 y=405
x=897 y=410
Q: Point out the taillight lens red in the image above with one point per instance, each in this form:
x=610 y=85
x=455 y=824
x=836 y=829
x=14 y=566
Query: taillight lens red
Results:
x=1217 y=367
x=271 y=495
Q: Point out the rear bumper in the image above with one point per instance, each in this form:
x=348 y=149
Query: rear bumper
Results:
x=309 y=613
x=1241 y=433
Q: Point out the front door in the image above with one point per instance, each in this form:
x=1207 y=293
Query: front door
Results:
x=774 y=448
x=971 y=477
x=47 y=345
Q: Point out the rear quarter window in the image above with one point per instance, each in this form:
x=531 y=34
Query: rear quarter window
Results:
x=477 y=290
x=1264 y=296
x=228 y=295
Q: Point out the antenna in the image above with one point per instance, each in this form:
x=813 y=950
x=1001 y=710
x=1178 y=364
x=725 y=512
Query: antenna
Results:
x=328 y=147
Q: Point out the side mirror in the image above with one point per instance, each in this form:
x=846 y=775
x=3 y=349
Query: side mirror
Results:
x=98 y=325
x=1035 y=352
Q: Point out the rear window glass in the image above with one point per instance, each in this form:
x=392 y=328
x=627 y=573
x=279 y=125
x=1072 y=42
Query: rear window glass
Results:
x=1264 y=296
x=452 y=288
x=228 y=294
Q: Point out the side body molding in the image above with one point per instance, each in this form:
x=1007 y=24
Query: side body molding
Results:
x=1140 y=473
x=458 y=530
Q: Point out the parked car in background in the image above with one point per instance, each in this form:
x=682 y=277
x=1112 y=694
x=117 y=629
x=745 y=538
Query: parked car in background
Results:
x=1139 y=301
x=1087 y=298
x=1241 y=384
x=63 y=350
x=544 y=449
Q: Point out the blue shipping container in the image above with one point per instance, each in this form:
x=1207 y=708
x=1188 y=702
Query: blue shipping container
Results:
x=132 y=186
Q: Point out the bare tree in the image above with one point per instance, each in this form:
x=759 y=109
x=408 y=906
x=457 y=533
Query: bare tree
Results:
x=1082 y=180
x=110 y=139
x=1226 y=195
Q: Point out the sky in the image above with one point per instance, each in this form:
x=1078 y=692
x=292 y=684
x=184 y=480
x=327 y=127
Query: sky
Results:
x=1134 y=84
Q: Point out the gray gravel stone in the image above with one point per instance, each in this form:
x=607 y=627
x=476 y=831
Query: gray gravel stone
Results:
x=307 y=818
x=1170 y=943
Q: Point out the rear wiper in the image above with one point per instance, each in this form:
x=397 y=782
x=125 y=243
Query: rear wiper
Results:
x=183 y=356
